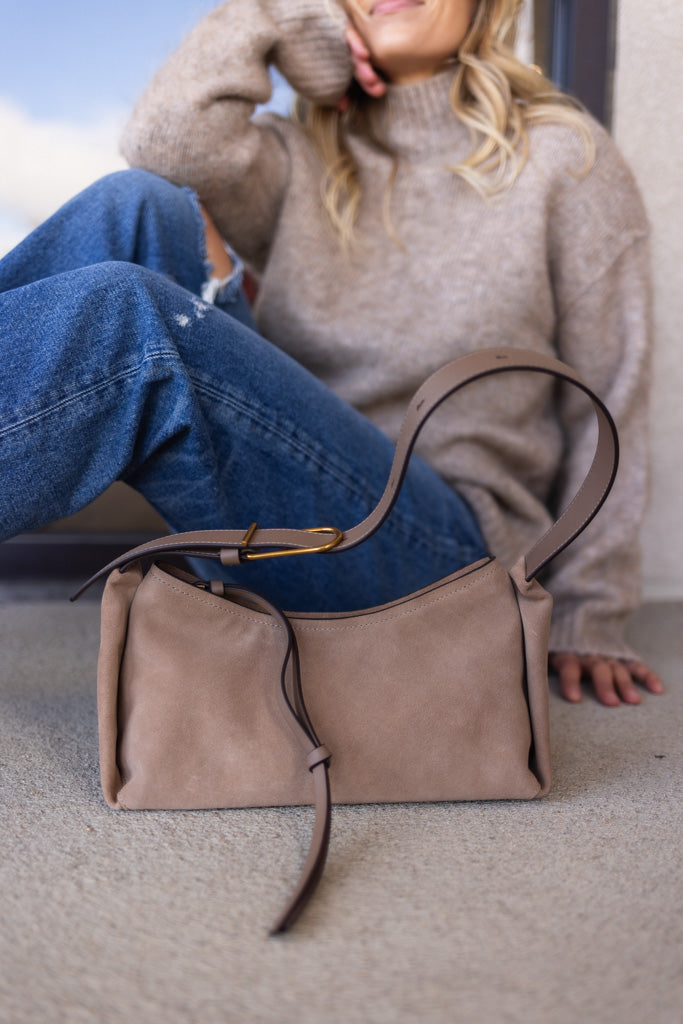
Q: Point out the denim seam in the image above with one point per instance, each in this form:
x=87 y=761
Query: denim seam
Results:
x=79 y=395
x=289 y=433
x=321 y=459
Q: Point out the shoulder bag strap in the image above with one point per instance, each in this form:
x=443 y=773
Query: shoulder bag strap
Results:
x=234 y=546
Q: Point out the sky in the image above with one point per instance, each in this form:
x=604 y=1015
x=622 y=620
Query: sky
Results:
x=74 y=58
x=70 y=71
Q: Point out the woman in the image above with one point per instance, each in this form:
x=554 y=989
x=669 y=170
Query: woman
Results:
x=447 y=199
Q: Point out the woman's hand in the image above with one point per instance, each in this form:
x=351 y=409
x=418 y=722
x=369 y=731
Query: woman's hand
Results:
x=612 y=679
x=363 y=71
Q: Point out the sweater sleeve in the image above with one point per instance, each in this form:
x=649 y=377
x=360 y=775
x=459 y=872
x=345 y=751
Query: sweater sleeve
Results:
x=605 y=333
x=194 y=124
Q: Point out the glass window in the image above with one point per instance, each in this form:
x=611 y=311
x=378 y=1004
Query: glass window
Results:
x=573 y=43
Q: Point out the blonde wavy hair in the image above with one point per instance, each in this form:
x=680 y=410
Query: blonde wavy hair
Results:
x=493 y=93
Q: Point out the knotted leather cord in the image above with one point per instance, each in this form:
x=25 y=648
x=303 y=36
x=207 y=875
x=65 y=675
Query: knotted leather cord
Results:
x=318 y=764
x=224 y=544
x=318 y=756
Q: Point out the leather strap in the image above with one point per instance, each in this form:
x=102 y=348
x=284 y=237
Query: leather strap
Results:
x=317 y=760
x=229 y=546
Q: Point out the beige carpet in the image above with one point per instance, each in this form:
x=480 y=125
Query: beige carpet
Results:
x=565 y=910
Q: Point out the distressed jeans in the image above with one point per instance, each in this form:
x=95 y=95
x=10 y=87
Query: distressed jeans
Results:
x=115 y=367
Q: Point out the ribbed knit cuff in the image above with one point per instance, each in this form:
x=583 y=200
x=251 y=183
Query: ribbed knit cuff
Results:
x=582 y=632
x=312 y=52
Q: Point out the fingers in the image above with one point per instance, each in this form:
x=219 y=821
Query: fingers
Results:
x=355 y=43
x=613 y=681
x=364 y=73
x=568 y=668
x=645 y=676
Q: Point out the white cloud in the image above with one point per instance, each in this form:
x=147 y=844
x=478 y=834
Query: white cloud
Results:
x=44 y=163
x=12 y=230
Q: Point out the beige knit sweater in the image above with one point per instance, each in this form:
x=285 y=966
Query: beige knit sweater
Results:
x=559 y=263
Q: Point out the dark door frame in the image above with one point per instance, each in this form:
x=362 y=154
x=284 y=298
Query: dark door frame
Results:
x=575 y=46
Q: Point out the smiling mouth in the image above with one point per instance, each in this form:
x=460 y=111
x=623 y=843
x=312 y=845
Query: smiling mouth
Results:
x=392 y=6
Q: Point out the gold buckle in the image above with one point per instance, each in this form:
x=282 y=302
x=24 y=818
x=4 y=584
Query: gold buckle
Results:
x=253 y=556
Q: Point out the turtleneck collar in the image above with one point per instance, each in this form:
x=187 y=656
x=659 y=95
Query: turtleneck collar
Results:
x=419 y=117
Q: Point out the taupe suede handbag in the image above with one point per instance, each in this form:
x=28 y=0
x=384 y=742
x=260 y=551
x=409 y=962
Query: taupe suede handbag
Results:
x=441 y=695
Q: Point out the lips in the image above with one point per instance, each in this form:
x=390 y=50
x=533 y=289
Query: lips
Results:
x=392 y=6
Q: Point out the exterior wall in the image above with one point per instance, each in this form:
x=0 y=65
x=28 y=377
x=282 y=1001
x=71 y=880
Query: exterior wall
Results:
x=648 y=109
x=525 y=42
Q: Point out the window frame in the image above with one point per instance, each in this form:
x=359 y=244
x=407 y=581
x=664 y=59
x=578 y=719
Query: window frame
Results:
x=575 y=44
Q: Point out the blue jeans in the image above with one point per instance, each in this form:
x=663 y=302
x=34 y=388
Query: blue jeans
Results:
x=115 y=368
